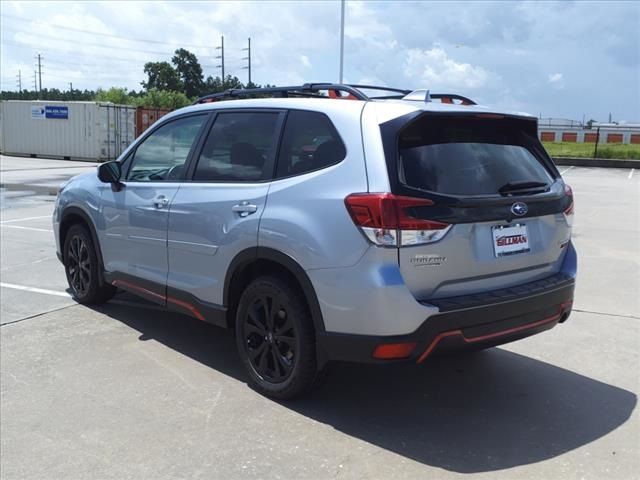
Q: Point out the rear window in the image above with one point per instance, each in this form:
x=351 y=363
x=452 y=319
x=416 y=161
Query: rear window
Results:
x=310 y=142
x=468 y=156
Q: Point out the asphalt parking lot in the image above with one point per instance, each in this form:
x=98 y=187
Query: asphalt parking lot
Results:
x=128 y=390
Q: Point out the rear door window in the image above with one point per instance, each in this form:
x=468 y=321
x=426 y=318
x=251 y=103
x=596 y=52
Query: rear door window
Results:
x=240 y=148
x=468 y=156
x=310 y=142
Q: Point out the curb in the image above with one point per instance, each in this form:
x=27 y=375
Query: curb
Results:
x=596 y=162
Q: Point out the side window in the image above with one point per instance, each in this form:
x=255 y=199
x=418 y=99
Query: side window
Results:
x=239 y=148
x=161 y=156
x=310 y=142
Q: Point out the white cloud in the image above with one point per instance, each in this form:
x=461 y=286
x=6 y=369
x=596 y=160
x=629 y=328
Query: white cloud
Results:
x=556 y=80
x=433 y=68
x=305 y=61
x=555 y=77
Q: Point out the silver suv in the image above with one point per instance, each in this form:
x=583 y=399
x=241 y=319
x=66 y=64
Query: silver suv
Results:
x=330 y=222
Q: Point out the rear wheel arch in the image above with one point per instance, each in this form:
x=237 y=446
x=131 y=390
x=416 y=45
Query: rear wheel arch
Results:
x=73 y=216
x=259 y=261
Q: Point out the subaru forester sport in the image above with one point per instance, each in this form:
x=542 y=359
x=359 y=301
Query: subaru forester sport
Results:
x=326 y=224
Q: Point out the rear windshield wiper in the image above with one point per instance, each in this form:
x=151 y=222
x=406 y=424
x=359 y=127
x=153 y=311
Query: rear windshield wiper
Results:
x=521 y=186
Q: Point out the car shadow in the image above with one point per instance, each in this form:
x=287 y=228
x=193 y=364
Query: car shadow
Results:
x=469 y=413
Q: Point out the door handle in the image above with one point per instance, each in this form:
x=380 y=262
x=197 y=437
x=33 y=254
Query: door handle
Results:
x=160 y=201
x=244 y=209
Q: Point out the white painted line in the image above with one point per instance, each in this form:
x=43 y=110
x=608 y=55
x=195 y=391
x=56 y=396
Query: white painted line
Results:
x=631 y=173
x=35 y=290
x=28 y=228
x=25 y=219
x=566 y=170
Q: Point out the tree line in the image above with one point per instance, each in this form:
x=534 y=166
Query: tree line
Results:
x=169 y=85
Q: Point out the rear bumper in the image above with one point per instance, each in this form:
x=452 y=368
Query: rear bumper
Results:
x=481 y=320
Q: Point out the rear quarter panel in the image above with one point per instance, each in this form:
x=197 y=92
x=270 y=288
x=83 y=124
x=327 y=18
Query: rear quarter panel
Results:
x=305 y=216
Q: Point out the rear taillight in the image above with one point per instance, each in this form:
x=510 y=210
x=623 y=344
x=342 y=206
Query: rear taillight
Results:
x=384 y=219
x=568 y=212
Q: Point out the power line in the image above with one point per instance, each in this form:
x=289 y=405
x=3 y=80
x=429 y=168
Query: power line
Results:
x=110 y=35
x=116 y=60
x=30 y=47
x=97 y=45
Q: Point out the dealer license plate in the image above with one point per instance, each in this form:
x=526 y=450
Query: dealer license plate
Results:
x=510 y=239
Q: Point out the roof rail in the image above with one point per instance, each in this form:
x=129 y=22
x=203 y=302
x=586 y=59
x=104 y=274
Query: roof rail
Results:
x=335 y=90
x=306 y=90
x=426 y=96
x=401 y=92
x=450 y=97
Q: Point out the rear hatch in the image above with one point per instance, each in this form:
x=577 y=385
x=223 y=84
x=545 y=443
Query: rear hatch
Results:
x=483 y=205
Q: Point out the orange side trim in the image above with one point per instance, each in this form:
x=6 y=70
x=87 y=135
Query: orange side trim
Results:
x=131 y=286
x=194 y=311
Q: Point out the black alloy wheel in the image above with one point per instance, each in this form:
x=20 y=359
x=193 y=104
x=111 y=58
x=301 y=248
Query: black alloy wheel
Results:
x=270 y=338
x=78 y=265
x=276 y=338
x=83 y=269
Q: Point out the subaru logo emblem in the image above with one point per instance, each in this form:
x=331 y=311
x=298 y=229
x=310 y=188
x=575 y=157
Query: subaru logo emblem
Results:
x=519 y=209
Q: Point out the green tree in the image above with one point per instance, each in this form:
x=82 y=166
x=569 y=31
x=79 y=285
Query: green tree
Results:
x=216 y=85
x=48 y=94
x=232 y=82
x=116 y=95
x=163 y=99
x=190 y=72
x=162 y=76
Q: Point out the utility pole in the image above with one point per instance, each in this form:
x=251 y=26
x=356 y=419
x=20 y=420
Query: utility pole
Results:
x=19 y=81
x=248 y=57
x=39 y=57
x=221 y=56
x=35 y=81
x=341 y=40
x=71 y=90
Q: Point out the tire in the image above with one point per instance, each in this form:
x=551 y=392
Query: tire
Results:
x=83 y=269
x=275 y=338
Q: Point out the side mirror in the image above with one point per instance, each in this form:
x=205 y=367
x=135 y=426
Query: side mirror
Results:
x=110 y=172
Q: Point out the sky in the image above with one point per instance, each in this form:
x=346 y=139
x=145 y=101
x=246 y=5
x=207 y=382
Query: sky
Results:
x=554 y=59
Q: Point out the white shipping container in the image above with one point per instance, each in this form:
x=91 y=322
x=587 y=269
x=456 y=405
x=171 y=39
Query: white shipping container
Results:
x=71 y=130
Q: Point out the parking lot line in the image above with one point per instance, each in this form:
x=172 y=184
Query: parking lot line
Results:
x=35 y=290
x=28 y=228
x=566 y=170
x=24 y=219
x=631 y=173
